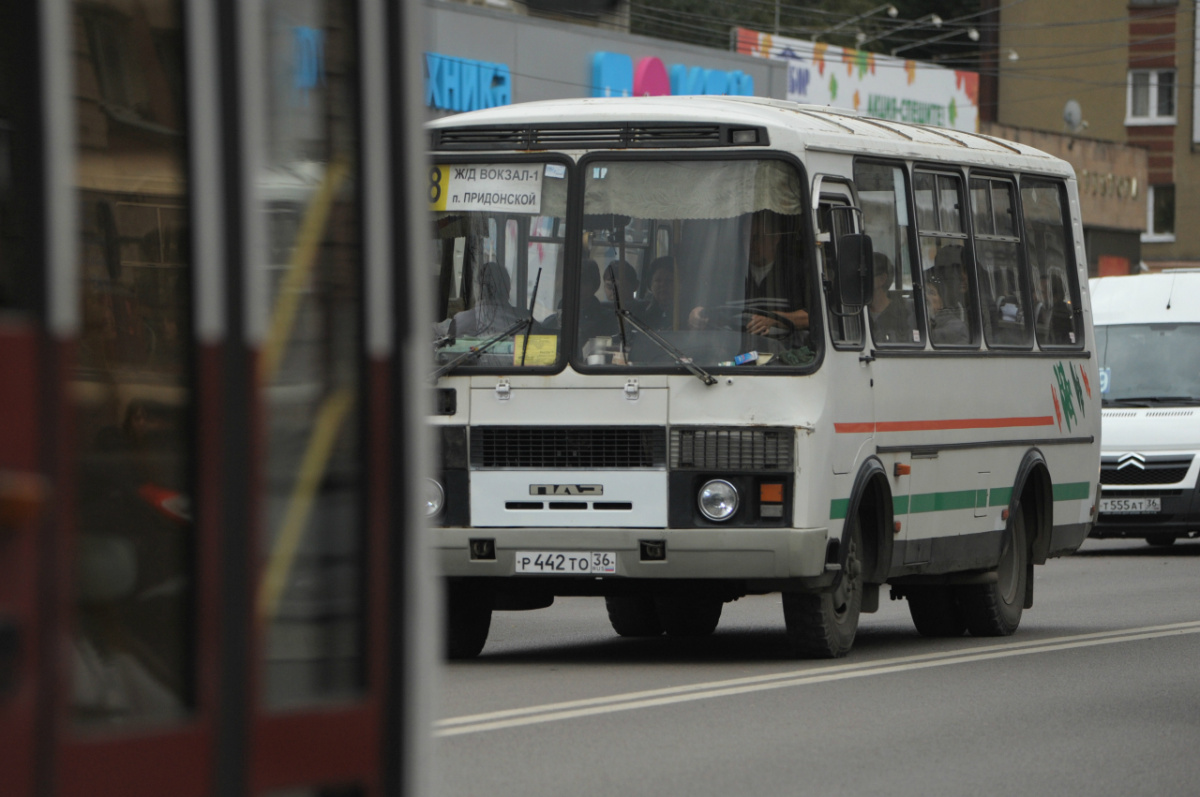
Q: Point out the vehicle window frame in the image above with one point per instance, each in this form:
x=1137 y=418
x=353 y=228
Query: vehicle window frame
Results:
x=1070 y=265
x=959 y=174
x=1008 y=178
x=914 y=256
x=571 y=174
x=812 y=284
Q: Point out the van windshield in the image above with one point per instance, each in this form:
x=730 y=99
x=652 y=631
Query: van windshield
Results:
x=693 y=261
x=1149 y=364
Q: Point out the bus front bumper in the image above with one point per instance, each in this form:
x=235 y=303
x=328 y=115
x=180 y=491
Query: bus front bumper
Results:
x=685 y=553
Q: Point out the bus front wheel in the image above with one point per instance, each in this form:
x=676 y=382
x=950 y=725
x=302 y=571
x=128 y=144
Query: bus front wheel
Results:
x=688 y=616
x=633 y=615
x=468 y=619
x=823 y=625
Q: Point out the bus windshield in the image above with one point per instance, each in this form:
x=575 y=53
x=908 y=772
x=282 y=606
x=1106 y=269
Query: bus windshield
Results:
x=1149 y=363
x=499 y=233
x=692 y=261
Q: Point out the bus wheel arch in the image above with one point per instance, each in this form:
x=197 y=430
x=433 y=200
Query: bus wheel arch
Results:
x=995 y=609
x=871 y=503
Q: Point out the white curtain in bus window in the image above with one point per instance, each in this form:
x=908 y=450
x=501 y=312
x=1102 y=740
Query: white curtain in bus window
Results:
x=732 y=290
x=310 y=597
x=882 y=192
x=132 y=652
x=1048 y=247
x=945 y=263
x=1004 y=302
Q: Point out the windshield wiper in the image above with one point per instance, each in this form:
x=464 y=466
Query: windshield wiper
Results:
x=661 y=342
x=476 y=351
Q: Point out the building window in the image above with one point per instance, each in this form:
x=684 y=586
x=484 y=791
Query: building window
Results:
x=1160 y=214
x=1151 y=97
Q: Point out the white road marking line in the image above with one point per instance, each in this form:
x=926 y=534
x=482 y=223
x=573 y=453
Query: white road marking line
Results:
x=551 y=712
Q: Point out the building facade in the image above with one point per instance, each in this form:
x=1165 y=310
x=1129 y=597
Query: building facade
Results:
x=1121 y=71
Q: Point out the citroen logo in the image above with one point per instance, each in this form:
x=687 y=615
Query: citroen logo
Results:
x=1131 y=460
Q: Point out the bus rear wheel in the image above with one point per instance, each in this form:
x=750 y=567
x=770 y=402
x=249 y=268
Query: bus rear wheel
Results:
x=995 y=609
x=468 y=619
x=823 y=625
x=633 y=615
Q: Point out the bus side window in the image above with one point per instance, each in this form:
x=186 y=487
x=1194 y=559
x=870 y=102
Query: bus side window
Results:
x=882 y=193
x=946 y=267
x=1050 y=254
x=1005 y=307
x=845 y=324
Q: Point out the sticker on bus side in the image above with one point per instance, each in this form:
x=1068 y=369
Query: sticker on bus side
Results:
x=505 y=187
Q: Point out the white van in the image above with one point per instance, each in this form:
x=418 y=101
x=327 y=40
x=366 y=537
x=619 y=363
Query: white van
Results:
x=1148 y=343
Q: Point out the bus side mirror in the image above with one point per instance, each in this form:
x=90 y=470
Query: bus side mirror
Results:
x=856 y=282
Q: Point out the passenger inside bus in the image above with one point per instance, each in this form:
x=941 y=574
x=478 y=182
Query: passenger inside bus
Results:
x=774 y=295
x=657 y=310
x=594 y=317
x=620 y=276
x=892 y=319
x=491 y=314
x=948 y=320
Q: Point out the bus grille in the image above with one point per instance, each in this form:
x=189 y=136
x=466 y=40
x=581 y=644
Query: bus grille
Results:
x=568 y=448
x=736 y=448
x=1161 y=472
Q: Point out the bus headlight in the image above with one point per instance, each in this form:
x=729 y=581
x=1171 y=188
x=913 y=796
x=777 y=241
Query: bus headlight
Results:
x=718 y=500
x=435 y=497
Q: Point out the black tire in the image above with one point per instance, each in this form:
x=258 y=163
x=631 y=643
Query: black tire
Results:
x=468 y=619
x=995 y=609
x=688 y=615
x=633 y=615
x=823 y=626
x=935 y=612
x=1160 y=540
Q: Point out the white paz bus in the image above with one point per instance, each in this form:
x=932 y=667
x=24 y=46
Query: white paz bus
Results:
x=691 y=349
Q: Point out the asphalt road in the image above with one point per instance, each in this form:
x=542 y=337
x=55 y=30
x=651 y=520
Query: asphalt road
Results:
x=1098 y=693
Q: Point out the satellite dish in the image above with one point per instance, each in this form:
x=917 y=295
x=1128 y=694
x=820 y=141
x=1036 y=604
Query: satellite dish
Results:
x=1073 y=115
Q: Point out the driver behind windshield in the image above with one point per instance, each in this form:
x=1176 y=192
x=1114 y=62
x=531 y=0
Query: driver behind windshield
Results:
x=774 y=290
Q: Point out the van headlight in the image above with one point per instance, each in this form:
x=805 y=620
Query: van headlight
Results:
x=718 y=500
x=435 y=497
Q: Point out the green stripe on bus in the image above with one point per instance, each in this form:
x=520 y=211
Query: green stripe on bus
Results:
x=959 y=499
x=943 y=502
x=1073 y=491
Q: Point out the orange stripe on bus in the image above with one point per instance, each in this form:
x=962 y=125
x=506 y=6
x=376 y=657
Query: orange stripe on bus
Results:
x=934 y=426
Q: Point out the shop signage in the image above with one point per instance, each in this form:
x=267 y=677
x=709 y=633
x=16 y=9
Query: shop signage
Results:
x=463 y=84
x=616 y=75
x=872 y=84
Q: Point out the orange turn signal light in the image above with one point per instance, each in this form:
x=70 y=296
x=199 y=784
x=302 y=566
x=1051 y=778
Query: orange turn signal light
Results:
x=770 y=493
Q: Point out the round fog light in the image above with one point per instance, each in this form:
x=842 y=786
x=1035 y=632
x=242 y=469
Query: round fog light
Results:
x=718 y=500
x=435 y=496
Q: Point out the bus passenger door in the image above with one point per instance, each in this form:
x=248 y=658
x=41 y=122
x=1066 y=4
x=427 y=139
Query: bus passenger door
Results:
x=852 y=404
